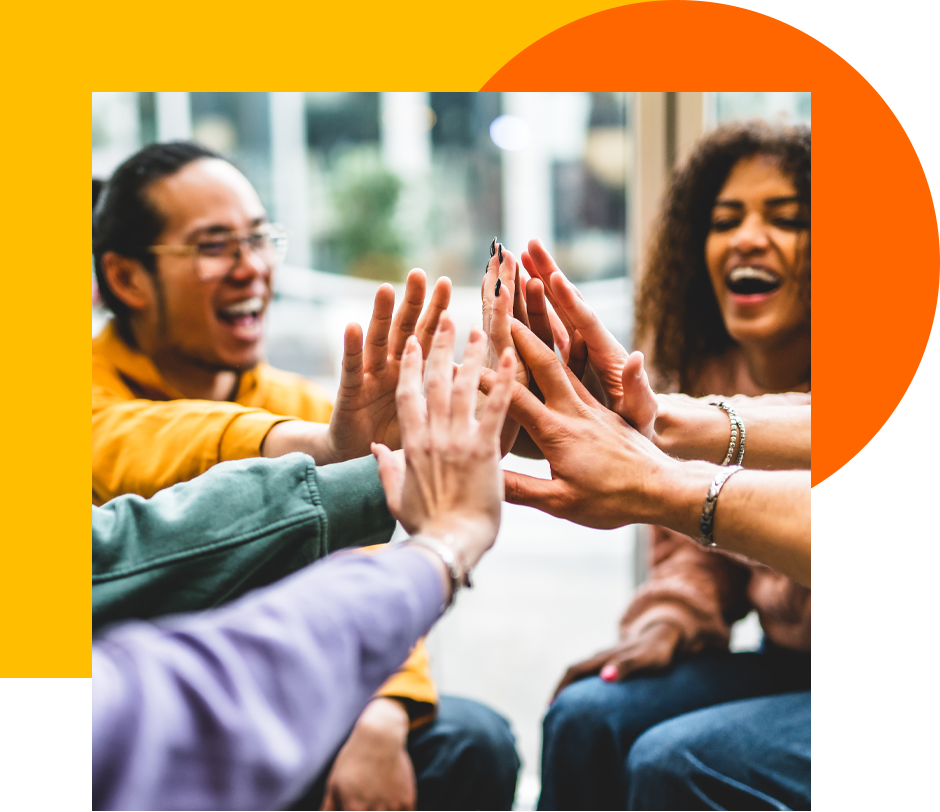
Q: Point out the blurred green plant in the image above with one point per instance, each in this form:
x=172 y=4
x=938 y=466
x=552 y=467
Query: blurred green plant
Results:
x=366 y=239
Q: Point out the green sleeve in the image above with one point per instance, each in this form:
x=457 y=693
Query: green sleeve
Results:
x=240 y=525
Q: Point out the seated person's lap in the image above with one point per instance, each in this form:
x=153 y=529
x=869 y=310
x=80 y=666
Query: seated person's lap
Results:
x=751 y=754
x=464 y=759
x=590 y=728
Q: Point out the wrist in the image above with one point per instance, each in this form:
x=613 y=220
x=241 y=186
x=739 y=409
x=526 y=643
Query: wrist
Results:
x=468 y=539
x=696 y=433
x=679 y=491
x=385 y=717
x=298 y=435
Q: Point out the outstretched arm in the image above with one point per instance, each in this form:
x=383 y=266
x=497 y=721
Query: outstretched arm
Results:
x=778 y=426
x=606 y=474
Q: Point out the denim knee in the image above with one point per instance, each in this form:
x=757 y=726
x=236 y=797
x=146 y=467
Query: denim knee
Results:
x=656 y=758
x=465 y=759
x=582 y=751
x=580 y=712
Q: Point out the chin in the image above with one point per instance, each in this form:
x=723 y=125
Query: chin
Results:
x=241 y=361
x=761 y=331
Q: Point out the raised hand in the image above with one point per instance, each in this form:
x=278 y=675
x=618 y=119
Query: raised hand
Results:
x=599 y=464
x=365 y=409
x=451 y=483
x=503 y=299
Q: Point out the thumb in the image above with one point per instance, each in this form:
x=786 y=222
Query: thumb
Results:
x=639 y=405
x=531 y=491
x=391 y=475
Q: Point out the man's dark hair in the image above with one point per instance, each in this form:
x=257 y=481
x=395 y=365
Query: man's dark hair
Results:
x=124 y=219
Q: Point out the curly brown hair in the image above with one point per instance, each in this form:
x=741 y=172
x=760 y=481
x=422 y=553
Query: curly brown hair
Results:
x=677 y=313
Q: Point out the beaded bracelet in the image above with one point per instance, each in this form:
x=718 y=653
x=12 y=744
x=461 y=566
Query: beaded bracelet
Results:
x=737 y=425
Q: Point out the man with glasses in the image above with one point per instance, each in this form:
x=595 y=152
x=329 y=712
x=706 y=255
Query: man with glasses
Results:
x=184 y=257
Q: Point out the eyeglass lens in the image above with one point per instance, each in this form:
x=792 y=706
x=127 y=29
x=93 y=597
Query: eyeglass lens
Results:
x=218 y=256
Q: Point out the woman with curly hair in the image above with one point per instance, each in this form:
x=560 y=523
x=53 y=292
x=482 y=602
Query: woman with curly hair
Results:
x=724 y=307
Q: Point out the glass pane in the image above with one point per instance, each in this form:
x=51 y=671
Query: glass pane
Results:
x=778 y=108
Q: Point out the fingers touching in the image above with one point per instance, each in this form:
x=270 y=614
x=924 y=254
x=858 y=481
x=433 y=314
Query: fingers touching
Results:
x=387 y=336
x=539 y=320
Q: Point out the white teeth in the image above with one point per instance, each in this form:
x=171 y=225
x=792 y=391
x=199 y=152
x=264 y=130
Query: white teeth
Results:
x=747 y=272
x=253 y=305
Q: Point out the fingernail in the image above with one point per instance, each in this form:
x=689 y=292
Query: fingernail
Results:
x=493 y=247
x=609 y=673
x=500 y=253
x=499 y=283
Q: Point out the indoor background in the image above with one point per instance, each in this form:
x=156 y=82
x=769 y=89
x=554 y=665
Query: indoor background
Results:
x=370 y=185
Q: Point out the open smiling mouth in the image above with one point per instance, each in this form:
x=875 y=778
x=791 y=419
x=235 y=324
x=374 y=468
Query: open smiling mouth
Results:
x=748 y=281
x=244 y=313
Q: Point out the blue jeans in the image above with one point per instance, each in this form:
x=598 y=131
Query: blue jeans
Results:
x=713 y=731
x=465 y=759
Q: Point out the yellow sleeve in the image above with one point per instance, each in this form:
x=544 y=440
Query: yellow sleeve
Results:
x=142 y=446
x=412 y=684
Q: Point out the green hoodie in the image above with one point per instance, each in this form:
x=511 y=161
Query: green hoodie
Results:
x=241 y=525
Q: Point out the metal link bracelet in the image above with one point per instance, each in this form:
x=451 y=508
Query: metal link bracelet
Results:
x=737 y=426
x=707 y=523
x=459 y=575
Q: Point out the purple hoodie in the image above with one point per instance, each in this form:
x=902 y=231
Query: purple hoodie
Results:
x=242 y=707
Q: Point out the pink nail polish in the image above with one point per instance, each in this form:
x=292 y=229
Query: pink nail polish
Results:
x=609 y=673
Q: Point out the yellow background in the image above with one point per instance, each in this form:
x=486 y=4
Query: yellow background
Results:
x=876 y=559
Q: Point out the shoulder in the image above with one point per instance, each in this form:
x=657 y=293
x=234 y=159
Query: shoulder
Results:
x=288 y=393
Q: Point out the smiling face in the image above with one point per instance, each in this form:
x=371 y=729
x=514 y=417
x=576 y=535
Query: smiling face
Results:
x=757 y=253
x=209 y=325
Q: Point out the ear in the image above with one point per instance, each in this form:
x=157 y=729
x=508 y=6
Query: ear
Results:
x=129 y=280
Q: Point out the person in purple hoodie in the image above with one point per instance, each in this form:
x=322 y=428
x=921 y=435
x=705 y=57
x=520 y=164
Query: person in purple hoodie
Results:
x=241 y=706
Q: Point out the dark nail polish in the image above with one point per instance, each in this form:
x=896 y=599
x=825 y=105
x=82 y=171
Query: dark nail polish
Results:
x=499 y=283
x=493 y=247
x=500 y=253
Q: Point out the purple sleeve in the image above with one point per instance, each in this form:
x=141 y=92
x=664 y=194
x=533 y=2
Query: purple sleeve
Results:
x=243 y=706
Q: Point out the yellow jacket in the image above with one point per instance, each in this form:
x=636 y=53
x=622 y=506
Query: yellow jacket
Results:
x=146 y=436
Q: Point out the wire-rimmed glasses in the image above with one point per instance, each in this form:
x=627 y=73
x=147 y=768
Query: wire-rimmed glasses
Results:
x=216 y=255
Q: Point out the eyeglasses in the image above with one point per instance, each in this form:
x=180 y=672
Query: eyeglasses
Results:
x=216 y=256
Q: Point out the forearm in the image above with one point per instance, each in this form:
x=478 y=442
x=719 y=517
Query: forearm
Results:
x=239 y=526
x=312 y=439
x=282 y=675
x=778 y=437
x=764 y=515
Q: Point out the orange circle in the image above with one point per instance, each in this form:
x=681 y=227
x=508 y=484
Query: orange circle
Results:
x=876 y=254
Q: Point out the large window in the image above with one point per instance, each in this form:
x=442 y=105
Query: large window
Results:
x=372 y=184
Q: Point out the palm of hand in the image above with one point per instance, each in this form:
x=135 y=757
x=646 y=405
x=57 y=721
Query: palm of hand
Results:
x=366 y=413
x=365 y=409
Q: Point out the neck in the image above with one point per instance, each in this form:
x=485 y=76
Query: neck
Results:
x=192 y=378
x=783 y=367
